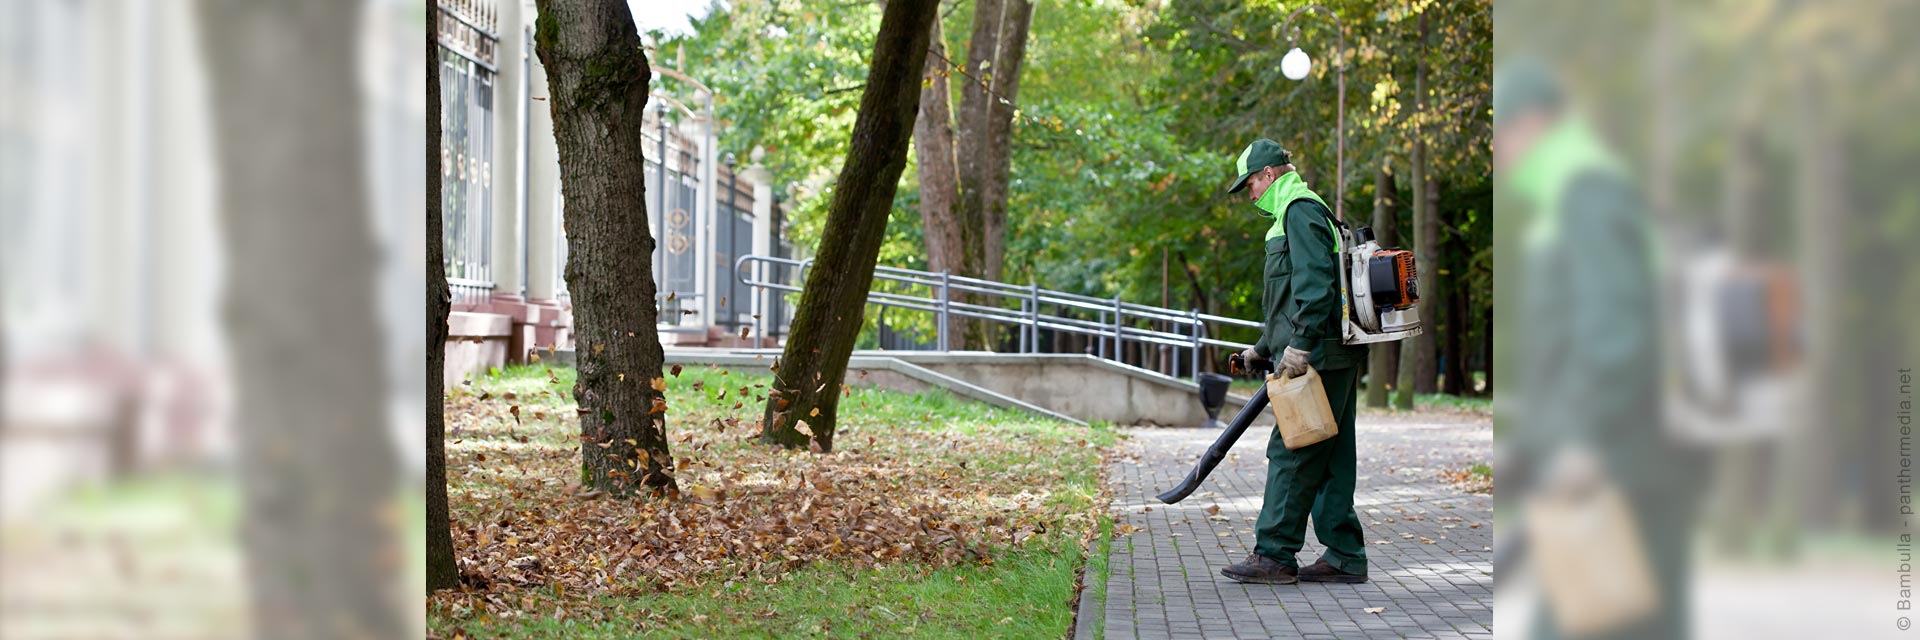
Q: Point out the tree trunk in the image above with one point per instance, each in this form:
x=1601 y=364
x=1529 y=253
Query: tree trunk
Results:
x=948 y=236
x=1426 y=369
x=934 y=155
x=597 y=78
x=310 y=401
x=807 y=378
x=1453 y=365
x=441 y=570
x=1486 y=352
x=998 y=163
x=1382 y=361
x=964 y=211
x=1416 y=360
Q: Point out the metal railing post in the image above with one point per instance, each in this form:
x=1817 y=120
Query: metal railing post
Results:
x=946 y=296
x=766 y=303
x=1033 y=316
x=1194 y=351
x=1119 y=347
x=1101 y=339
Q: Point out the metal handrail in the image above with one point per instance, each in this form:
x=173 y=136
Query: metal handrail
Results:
x=1183 y=329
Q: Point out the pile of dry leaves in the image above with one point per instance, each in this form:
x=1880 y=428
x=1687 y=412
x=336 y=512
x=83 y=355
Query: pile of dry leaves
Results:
x=746 y=511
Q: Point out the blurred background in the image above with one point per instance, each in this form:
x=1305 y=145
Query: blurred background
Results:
x=143 y=281
x=1706 y=287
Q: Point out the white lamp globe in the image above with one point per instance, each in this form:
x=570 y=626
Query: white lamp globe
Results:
x=1295 y=64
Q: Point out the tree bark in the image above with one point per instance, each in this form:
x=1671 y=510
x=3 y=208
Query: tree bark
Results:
x=1486 y=352
x=1383 y=363
x=1453 y=368
x=808 y=376
x=597 y=77
x=442 y=573
x=1416 y=354
x=952 y=244
x=964 y=202
x=1426 y=369
x=934 y=155
x=319 y=467
x=997 y=166
x=970 y=141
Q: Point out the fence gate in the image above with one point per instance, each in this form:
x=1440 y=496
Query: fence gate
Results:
x=467 y=44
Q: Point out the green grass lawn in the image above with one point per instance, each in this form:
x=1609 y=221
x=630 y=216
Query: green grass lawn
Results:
x=1021 y=490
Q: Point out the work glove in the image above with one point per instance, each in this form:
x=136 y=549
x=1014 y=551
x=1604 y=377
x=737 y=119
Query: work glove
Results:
x=1248 y=359
x=1294 y=362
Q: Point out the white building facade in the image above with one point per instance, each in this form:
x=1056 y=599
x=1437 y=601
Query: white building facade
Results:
x=503 y=210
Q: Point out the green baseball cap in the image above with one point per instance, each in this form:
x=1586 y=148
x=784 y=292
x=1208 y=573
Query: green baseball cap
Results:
x=1261 y=154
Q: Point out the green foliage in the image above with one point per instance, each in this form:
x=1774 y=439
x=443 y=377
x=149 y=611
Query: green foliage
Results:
x=1128 y=118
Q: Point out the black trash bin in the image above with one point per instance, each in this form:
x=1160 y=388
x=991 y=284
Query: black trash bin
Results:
x=1213 y=396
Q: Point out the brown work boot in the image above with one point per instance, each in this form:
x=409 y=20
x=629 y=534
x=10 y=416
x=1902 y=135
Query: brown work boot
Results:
x=1320 y=571
x=1260 y=569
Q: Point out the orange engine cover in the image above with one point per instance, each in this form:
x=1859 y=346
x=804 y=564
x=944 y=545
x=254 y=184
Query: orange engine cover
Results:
x=1394 y=279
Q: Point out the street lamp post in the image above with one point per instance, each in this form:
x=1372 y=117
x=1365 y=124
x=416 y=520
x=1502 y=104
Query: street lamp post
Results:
x=1295 y=65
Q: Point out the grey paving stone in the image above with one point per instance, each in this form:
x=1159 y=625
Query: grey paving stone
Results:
x=1165 y=583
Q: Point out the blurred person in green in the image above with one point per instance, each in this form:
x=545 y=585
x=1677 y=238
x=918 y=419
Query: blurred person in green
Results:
x=1587 y=345
x=1302 y=305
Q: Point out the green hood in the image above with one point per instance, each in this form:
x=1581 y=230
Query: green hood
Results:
x=1273 y=204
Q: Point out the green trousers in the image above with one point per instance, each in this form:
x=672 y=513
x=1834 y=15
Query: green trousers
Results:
x=1316 y=480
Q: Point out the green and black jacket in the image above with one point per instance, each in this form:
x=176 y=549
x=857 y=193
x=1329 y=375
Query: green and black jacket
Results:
x=1301 y=294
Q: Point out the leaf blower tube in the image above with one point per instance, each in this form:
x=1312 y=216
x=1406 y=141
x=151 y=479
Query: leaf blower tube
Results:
x=1218 y=451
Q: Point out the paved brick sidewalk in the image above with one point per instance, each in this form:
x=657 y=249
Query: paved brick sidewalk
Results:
x=1164 y=579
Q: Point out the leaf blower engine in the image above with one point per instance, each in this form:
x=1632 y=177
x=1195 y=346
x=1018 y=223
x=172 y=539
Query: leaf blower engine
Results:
x=1380 y=305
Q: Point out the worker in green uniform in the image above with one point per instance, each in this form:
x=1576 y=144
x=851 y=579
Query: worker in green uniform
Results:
x=1302 y=305
x=1586 y=359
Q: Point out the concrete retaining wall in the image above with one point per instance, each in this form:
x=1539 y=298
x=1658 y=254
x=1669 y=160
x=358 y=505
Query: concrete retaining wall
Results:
x=475 y=342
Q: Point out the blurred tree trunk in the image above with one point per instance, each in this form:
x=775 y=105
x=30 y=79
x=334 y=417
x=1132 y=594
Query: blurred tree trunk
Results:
x=807 y=378
x=1417 y=368
x=1383 y=362
x=1429 y=245
x=1453 y=360
x=1455 y=255
x=597 y=78
x=1486 y=351
x=318 y=465
x=441 y=570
